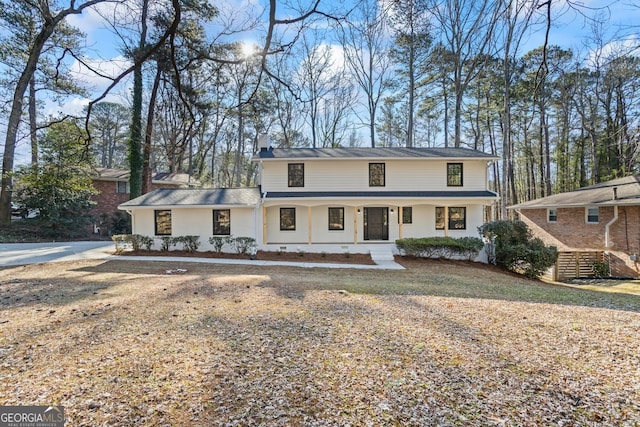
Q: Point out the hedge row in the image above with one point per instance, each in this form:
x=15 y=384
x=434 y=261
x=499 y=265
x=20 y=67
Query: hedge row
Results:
x=241 y=245
x=441 y=247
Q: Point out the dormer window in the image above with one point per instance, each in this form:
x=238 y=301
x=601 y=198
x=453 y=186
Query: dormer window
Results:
x=454 y=174
x=376 y=175
x=296 y=175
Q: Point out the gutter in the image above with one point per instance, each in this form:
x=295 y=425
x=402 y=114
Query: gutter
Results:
x=609 y=224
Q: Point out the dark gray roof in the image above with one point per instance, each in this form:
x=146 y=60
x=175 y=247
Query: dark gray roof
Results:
x=196 y=197
x=112 y=174
x=627 y=192
x=372 y=153
x=380 y=194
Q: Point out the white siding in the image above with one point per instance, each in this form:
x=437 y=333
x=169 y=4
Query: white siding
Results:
x=195 y=222
x=423 y=224
x=353 y=175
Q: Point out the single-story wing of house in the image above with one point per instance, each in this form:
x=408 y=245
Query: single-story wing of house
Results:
x=600 y=217
x=332 y=200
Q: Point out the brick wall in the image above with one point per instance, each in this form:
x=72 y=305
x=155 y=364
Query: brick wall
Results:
x=108 y=200
x=572 y=233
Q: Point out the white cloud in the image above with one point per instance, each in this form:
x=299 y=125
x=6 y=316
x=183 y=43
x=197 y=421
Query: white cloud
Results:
x=97 y=74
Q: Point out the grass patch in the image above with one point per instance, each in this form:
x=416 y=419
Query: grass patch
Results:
x=450 y=343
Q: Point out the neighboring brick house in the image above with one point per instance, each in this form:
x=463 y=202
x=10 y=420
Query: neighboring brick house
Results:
x=113 y=185
x=601 y=217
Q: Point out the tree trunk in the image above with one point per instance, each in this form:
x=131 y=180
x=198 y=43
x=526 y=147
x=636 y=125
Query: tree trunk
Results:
x=148 y=135
x=135 y=141
x=6 y=187
x=33 y=126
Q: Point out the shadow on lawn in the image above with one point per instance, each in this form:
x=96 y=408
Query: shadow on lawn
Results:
x=428 y=278
x=30 y=292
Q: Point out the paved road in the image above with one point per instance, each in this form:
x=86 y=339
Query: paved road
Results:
x=12 y=254
x=35 y=253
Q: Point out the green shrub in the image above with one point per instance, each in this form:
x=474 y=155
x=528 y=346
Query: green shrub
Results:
x=244 y=245
x=218 y=242
x=167 y=242
x=118 y=223
x=136 y=241
x=441 y=247
x=516 y=250
x=600 y=269
x=189 y=243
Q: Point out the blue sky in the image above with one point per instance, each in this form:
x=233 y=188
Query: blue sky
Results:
x=570 y=29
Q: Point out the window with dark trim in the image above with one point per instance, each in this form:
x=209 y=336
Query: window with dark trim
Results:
x=457 y=218
x=376 y=175
x=122 y=187
x=287 y=219
x=296 y=175
x=162 y=222
x=552 y=215
x=407 y=215
x=222 y=222
x=593 y=215
x=454 y=174
x=336 y=218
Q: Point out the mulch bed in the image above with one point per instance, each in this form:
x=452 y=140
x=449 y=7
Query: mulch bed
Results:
x=266 y=255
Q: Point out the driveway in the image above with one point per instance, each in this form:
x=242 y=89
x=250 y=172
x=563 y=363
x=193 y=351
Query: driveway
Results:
x=12 y=254
x=35 y=253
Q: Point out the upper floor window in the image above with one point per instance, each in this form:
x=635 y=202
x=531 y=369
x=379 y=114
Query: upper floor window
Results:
x=287 y=219
x=376 y=174
x=296 y=175
x=122 y=187
x=552 y=215
x=222 y=222
x=407 y=215
x=593 y=215
x=163 y=222
x=336 y=218
x=454 y=174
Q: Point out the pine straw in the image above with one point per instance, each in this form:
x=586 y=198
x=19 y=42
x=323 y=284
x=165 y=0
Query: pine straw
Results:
x=125 y=343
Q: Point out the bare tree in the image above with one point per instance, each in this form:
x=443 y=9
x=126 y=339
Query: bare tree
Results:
x=317 y=82
x=513 y=24
x=410 y=21
x=467 y=31
x=366 y=49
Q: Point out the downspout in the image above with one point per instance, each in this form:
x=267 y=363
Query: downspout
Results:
x=264 y=218
x=613 y=220
x=609 y=224
x=130 y=212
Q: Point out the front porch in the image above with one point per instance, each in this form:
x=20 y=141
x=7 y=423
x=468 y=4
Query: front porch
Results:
x=345 y=226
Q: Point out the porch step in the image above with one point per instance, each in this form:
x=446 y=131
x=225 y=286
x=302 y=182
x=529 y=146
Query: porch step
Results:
x=378 y=255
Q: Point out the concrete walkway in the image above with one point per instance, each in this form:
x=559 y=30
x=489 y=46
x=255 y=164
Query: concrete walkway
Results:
x=12 y=254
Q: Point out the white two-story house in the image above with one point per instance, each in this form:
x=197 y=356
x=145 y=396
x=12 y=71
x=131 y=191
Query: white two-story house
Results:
x=332 y=200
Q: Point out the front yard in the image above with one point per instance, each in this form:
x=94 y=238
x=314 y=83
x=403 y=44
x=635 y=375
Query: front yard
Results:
x=441 y=343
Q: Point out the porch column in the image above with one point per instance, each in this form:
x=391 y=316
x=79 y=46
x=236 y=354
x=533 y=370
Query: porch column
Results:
x=264 y=225
x=400 y=221
x=355 y=225
x=309 y=223
x=446 y=221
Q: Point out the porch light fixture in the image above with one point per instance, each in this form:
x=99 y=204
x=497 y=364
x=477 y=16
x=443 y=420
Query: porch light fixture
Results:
x=392 y=211
x=359 y=212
